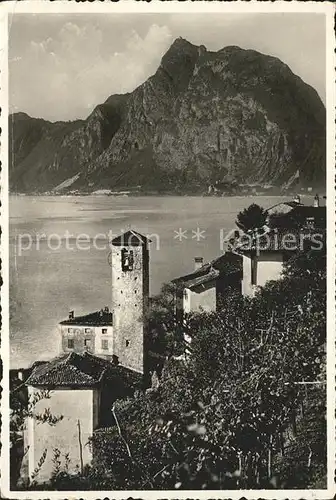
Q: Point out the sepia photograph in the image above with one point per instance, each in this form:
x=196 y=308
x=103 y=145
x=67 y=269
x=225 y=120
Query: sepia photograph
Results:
x=167 y=193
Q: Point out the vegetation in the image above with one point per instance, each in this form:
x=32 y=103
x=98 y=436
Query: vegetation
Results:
x=159 y=141
x=245 y=409
x=24 y=407
x=251 y=217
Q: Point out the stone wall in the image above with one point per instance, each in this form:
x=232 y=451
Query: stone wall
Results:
x=81 y=333
x=267 y=266
x=130 y=290
x=78 y=335
x=201 y=298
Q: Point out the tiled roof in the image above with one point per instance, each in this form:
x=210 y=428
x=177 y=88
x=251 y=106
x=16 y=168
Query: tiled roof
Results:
x=227 y=263
x=70 y=370
x=275 y=240
x=310 y=211
x=80 y=370
x=128 y=378
x=223 y=265
x=297 y=217
x=202 y=271
x=98 y=318
x=201 y=280
x=302 y=212
x=130 y=238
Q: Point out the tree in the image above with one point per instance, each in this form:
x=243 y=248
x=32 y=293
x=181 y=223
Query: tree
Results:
x=245 y=409
x=252 y=217
x=22 y=407
x=165 y=332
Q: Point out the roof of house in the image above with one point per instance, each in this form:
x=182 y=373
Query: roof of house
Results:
x=225 y=264
x=285 y=230
x=283 y=207
x=201 y=280
x=202 y=271
x=130 y=238
x=81 y=370
x=69 y=370
x=276 y=240
x=97 y=318
x=298 y=214
x=310 y=211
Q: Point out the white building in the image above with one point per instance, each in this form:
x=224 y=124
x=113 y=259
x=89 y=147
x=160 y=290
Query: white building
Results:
x=288 y=231
x=91 y=333
x=202 y=289
x=81 y=389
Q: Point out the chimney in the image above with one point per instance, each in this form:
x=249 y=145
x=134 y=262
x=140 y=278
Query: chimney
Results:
x=106 y=310
x=71 y=314
x=198 y=263
x=316 y=201
x=297 y=198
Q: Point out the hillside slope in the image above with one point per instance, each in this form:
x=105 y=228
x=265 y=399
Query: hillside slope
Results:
x=202 y=117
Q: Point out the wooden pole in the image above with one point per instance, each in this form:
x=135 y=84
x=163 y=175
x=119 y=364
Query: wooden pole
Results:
x=80 y=447
x=269 y=464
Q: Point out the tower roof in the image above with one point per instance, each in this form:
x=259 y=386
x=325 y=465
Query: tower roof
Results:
x=130 y=238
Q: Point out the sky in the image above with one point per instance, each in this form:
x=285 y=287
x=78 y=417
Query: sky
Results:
x=61 y=66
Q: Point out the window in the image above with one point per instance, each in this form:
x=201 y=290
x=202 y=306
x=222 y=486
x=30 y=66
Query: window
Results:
x=71 y=343
x=127 y=260
x=69 y=330
x=127 y=343
x=310 y=222
x=104 y=330
x=87 y=330
x=104 y=344
x=87 y=343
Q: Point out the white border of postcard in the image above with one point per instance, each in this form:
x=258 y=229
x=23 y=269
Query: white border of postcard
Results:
x=157 y=6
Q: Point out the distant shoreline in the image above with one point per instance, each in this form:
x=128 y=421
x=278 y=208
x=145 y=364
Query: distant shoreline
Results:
x=302 y=192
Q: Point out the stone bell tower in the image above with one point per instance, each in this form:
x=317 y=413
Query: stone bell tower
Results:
x=130 y=292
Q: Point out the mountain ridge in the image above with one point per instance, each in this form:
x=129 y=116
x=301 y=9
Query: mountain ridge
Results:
x=202 y=117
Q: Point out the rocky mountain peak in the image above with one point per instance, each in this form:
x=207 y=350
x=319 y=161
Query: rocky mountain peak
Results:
x=204 y=117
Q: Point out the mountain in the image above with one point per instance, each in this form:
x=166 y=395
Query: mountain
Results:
x=229 y=116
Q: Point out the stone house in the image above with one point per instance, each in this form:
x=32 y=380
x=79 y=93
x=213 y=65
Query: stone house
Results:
x=119 y=332
x=101 y=359
x=91 y=333
x=202 y=289
x=81 y=389
x=291 y=227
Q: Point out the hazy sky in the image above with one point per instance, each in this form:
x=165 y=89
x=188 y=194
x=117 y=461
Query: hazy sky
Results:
x=62 y=66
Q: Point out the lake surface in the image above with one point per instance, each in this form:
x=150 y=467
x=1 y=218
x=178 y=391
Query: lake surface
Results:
x=59 y=254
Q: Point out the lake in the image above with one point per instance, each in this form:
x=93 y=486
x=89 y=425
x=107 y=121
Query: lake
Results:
x=59 y=254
